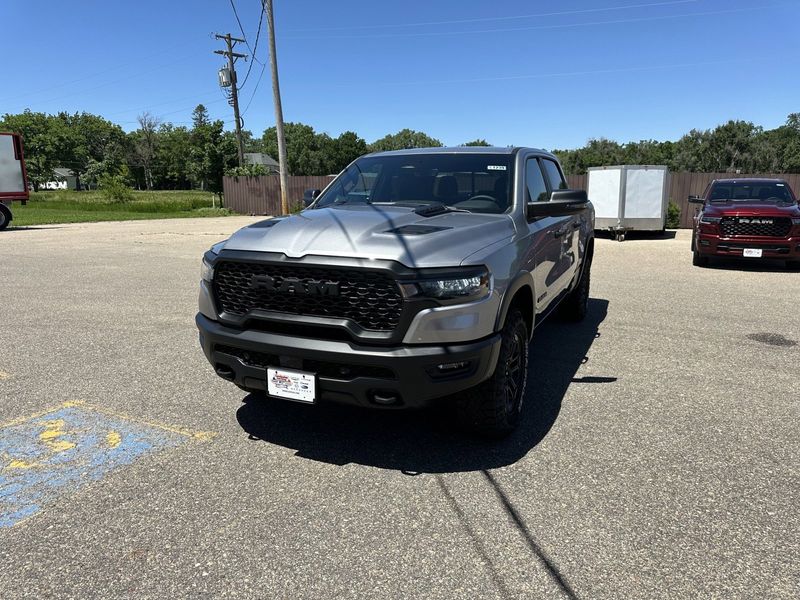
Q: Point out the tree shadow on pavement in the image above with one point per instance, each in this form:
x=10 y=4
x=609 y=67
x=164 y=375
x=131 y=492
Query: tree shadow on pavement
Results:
x=426 y=441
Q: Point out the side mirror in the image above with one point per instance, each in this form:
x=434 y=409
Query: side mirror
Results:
x=696 y=200
x=309 y=196
x=562 y=202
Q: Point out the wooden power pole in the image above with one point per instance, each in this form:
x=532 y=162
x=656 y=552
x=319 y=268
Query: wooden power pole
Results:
x=232 y=56
x=276 y=92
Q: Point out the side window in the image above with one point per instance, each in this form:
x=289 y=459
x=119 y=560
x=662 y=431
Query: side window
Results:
x=557 y=181
x=534 y=181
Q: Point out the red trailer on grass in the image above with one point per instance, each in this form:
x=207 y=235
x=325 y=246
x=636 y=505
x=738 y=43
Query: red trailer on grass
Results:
x=13 y=177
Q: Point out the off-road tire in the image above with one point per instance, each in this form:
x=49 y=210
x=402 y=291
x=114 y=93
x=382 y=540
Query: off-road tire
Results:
x=5 y=217
x=575 y=306
x=492 y=409
x=698 y=260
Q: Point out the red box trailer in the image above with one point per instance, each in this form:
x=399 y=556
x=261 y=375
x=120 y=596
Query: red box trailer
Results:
x=13 y=177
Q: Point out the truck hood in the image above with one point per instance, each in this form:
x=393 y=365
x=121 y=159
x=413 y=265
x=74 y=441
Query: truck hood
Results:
x=751 y=209
x=379 y=232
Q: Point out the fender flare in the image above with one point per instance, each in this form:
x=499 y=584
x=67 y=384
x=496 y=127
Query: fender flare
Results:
x=523 y=279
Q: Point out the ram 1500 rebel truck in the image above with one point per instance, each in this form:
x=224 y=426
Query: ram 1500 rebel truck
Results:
x=747 y=218
x=415 y=275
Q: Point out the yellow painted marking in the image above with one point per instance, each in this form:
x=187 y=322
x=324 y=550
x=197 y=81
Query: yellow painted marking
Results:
x=52 y=431
x=202 y=436
x=21 y=464
x=113 y=439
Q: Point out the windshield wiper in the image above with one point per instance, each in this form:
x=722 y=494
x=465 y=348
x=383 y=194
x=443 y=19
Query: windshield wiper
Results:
x=431 y=210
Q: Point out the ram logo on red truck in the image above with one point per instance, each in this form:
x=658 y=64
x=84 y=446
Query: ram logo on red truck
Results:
x=13 y=178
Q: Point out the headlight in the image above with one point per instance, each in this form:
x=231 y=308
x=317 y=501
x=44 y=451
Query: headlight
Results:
x=470 y=286
x=710 y=220
x=207 y=271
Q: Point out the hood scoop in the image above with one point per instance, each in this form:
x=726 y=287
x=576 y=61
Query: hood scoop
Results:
x=416 y=230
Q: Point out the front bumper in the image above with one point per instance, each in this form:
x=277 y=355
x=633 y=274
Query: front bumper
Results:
x=381 y=377
x=781 y=248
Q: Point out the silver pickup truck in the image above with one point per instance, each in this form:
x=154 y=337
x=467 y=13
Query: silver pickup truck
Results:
x=414 y=276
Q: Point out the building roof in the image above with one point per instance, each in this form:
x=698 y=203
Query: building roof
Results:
x=259 y=158
x=63 y=172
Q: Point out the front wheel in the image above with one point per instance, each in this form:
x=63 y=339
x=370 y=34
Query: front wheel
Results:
x=492 y=409
x=698 y=260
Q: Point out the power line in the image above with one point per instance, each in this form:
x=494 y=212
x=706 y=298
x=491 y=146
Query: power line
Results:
x=255 y=47
x=507 y=18
x=545 y=27
x=255 y=89
x=244 y=35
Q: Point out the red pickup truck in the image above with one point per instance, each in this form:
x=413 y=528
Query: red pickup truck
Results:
x=13 y=178
x=747 y=218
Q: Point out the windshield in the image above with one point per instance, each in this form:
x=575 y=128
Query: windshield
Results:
x=740 y=191
x=479 y=183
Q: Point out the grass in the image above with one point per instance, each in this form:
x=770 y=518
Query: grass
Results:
x=81 y=207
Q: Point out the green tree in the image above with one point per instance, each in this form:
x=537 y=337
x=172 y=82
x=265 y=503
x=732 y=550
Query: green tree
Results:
x=405 y=138
x=477 y=142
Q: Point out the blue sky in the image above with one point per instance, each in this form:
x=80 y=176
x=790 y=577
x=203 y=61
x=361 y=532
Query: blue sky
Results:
x=535 y=73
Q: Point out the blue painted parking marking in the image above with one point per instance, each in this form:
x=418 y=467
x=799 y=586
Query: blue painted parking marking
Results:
x=51 y=453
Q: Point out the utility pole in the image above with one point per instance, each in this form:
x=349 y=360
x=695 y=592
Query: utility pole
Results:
x=232 y=56
x=276 y=93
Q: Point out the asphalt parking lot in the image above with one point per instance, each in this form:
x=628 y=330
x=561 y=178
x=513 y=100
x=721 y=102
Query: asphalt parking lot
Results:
x=658 y=456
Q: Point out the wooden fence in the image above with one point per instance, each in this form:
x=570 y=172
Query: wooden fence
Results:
x=261 y=195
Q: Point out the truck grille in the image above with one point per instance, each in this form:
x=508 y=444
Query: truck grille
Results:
x=755 y=226
x=368 y=298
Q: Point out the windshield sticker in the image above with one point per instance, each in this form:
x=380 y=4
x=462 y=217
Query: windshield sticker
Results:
x=496 y=168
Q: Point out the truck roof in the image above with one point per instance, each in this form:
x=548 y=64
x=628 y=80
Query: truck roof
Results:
x=751 y=180
x=458 y=150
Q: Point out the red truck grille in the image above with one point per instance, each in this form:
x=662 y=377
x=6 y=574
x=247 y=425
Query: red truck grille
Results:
x=756 y=226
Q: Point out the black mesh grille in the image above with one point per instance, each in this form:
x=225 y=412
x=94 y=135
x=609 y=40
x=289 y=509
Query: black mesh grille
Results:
x=370 y=299
x=322 y=368
x=756 y=226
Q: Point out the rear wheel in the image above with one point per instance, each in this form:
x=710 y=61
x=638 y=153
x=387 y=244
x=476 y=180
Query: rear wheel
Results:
x=575 y=306
x=493 y=408
x=5 y=216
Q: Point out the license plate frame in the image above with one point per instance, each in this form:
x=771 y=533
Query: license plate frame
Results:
x=753 y=253
x=289 y=384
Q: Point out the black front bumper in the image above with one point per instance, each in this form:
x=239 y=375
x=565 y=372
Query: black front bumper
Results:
x=348 y=373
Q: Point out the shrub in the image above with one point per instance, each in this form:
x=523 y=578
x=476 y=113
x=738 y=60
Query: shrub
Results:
x=247 y=171
x=673 y=215
x=114 y=189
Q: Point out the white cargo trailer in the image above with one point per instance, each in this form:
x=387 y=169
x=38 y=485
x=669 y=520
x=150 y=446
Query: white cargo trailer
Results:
x=629 y=197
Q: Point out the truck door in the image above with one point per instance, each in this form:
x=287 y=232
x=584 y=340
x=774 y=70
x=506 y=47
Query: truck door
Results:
x=546 y=250
x=571 y=232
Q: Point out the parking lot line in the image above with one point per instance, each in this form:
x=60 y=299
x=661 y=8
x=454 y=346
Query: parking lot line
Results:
x=44 y=455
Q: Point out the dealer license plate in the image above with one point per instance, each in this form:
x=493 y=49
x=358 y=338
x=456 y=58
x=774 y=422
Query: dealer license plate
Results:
x=753 y=252
x=292 y=385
